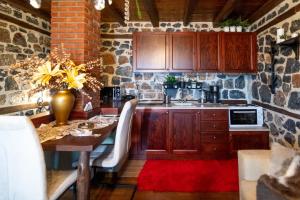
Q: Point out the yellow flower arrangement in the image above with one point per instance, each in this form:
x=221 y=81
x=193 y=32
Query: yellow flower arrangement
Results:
x=58 y=71
x=45 y=73
x=73 y=79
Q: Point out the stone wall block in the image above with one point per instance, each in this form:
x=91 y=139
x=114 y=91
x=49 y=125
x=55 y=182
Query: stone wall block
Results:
x=19 y=39
x=4 y=36
x=296 y=80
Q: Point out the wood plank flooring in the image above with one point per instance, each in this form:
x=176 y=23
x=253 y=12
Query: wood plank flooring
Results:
x=125 y=189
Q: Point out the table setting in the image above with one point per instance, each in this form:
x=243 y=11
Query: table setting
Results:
x=76 y=128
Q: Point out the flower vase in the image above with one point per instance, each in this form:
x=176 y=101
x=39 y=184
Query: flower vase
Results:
x=62 y=104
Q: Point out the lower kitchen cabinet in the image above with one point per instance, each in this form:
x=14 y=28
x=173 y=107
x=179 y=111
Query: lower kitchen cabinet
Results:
x=180 y=134
x=240 y=140
x=150 y=134
x=214 y=134
x=184 y=133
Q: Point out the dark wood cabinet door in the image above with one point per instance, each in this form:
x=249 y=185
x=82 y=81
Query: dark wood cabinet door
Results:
x=154 y=131
x=135 y=135
x=240 y=140
x=183 y=51
x=239 y=52
x=150 y=51
x=208 y=51
x=184 y=131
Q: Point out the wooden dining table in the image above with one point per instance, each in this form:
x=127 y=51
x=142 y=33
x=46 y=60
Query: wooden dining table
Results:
x=83 y=145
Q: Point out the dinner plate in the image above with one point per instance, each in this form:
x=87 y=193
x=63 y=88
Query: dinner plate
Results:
x=81 y=132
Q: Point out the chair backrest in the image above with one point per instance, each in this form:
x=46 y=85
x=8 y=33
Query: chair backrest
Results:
x=122 y=140
x=22 y=165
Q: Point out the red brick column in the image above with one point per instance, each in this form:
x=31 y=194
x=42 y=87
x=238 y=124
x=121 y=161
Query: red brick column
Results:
x=76 y=25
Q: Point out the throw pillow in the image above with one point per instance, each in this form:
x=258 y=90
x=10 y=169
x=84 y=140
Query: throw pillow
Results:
x=281 y=157
x=285 y=187
x=292 y=176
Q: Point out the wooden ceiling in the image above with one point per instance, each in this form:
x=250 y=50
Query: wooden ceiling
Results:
x=178 y=10
x=195 y=10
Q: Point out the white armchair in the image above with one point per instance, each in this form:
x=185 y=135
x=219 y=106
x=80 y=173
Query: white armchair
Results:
x=23 y=172
x=252 y=164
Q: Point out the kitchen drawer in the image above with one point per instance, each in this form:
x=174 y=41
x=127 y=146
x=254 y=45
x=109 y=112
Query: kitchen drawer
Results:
x=214 y=114
x=215 y=126
x=215 y=148
x=209 y=137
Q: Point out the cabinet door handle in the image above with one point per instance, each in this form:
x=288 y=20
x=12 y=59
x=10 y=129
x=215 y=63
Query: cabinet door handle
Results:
x=167 y=112
x=215 y=148
x=215 y=137
x=214 y=125
x=214 y=115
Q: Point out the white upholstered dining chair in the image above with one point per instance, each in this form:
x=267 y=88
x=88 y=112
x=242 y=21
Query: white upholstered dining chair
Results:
x=23 y=173
x=112 y=159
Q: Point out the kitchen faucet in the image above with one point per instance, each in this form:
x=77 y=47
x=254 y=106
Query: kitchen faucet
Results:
x=179 y=95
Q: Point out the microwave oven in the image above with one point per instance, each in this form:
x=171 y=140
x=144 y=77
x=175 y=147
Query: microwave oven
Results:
x=245 y=116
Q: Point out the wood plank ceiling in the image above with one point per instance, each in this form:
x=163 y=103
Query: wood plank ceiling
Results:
x=195 y=10
x=177 y=10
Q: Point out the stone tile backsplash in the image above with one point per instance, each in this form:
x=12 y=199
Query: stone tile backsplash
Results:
x=231 y=86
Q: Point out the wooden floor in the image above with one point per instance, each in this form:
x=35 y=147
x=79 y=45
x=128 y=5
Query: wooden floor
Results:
x=125 y=189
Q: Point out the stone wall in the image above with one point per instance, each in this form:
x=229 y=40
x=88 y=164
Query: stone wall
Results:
x=18 y=43
x=284 y=129
x=117 y=54
x=278 y=10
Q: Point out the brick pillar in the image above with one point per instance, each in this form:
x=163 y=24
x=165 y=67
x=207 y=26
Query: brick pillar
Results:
x=76 y=25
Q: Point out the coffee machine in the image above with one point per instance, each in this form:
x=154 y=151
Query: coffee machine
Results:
x=213 y=94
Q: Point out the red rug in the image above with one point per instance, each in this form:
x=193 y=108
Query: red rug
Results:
x=189 y=176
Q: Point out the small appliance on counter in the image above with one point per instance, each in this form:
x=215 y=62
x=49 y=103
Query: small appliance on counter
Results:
x=245 y=116
x=212 y=95
x=109 y=94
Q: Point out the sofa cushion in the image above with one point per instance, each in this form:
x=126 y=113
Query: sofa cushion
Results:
x=291 y=179
x=268 y=188
x=281 y=158
x=248 y=190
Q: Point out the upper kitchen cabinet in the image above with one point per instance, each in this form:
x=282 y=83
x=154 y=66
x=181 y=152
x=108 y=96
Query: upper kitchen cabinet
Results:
x=183 y=51
x=238 y=52
x=208 y=51
x=190 y=51
x=150 y=51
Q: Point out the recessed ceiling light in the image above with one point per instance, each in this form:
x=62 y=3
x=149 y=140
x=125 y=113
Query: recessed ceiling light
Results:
x=99 y=4
x=36 y=3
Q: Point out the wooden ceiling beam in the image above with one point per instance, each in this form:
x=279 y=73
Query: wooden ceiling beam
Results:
x=264 y=9
x=116 y=13
x=226 y=11
x=188 y=11
x=151 y=9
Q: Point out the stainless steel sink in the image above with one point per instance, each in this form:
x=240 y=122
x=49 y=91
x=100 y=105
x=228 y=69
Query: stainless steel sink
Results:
x=183 y=104
x=144 y=103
